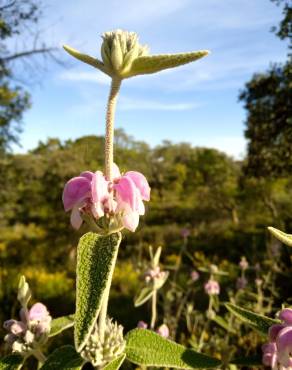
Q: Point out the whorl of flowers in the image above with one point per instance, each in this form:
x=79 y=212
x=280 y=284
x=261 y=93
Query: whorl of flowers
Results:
x=212 y=287
x=277 y=353
x=116 y=204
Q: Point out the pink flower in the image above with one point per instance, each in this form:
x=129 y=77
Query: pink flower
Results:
x=212 y=287
x=241 y=282
x=195 y=275
x=142 y=325
x=270 y=357
x=284 y=346
x=163 y=330
x=120 y=200
x=185 y=233
x=243 y=264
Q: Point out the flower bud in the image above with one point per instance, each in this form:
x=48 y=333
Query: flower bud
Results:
x=163 y=331
x=119 y=49
x=24 y=293
x=101 y=352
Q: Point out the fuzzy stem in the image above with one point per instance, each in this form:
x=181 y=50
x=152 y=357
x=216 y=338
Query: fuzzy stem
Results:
x=39 y=356
x=105 y=298
x=154 y=310
x=109 y=136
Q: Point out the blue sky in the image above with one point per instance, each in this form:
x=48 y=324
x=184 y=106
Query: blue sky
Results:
x=196 y=103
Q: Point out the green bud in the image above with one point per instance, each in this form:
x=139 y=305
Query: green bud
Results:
x=24 y=292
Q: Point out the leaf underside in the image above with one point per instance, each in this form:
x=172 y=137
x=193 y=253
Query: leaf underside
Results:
x=280 y=235
x=95 y=256
x=156 y=63
x=256 y=321
x=147 y=348
x=63 y=358
x=11 y=362
x=60 y=324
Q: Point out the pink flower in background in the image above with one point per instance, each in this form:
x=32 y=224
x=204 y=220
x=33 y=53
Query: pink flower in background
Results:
x=243 y=264
x=212 y=287
x=195 y=275
x=142 y=325
x=163 y=330
x=241 y=282
x=120 y=199
x=185 y=233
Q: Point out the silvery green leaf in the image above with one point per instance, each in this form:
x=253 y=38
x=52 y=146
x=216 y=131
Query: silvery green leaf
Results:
x=96 y=255
x=116 y=363
x=145 y=294
x=280 y=235
x=63 y=358
x=156 y=257
x=94 y=62
x=146 y=348
x=60 y=324
x=256 y=321
x=11 y=362
x=155 y=63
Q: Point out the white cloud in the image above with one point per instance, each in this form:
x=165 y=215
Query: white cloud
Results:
x=234 y=146
x=127 y=103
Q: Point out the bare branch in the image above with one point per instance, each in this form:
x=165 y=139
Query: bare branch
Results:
x=27 y=53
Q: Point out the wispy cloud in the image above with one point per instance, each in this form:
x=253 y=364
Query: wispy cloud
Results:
x=128 y=103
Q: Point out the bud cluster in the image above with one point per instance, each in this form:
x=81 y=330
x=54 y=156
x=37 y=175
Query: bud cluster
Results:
x=119 y=49
x=101 y=352
x=31 y=332
x=156 y=276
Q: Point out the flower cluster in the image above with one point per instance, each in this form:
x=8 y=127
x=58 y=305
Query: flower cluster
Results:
x=243 y=264
x=277 y=353
x=155 y=274
x=194 y=275
x=117 y=204
x=31 y=331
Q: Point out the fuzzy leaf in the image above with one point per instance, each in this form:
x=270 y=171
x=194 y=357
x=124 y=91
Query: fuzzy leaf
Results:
x=116 y=363
x=147 y=348
x=280 y=235
x=94 y=62
x=144 y=296
x=11 y=362
x=95 y=258
x=156 y=63
x=63 y=358
x=60 y=324
x=248 y=361
x=256 y=321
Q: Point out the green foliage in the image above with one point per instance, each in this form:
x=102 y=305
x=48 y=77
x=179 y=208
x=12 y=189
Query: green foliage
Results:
x=280 y=235
x=147 y=348
x=11 y=362
x=247 y=361
x=96 y=257
x=63 y=358
x=256 y=321
x=60 y=324
x=144 y=296
x=116 y=363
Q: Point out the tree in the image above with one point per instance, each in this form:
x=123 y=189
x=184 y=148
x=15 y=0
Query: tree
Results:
x=268 y=101
x=15 y=17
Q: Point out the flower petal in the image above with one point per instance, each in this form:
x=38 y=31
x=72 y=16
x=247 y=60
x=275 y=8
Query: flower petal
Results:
x=284 y=346
x=38 y=312
x=75 y=190
x=126 y=193
x=286 y=315
x=75 y=218
x=131 y=221
x=87 y=174
x=274 y=331
x=116 y=172
x=141 y=183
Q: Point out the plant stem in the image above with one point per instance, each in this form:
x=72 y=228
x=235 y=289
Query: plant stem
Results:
x=109 y=135
x=154 y=310
x=39 y=356
x=105 y=298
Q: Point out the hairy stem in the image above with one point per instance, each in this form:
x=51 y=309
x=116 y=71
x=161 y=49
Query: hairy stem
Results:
x=39 y=356
x=109 y=136
x=105 y=298
x=154 y=310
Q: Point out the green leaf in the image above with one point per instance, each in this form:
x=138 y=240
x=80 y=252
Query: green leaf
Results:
x=11 y=362
x=96 y=256
x=63 y=358
x=280 y=235
x=116 y=363
x=94 y=62
x=156 y=63
x=144 y=296
x=60 y=324
x=248 y=361
x=223 y=323
x=147 y=348
x=256 y=321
